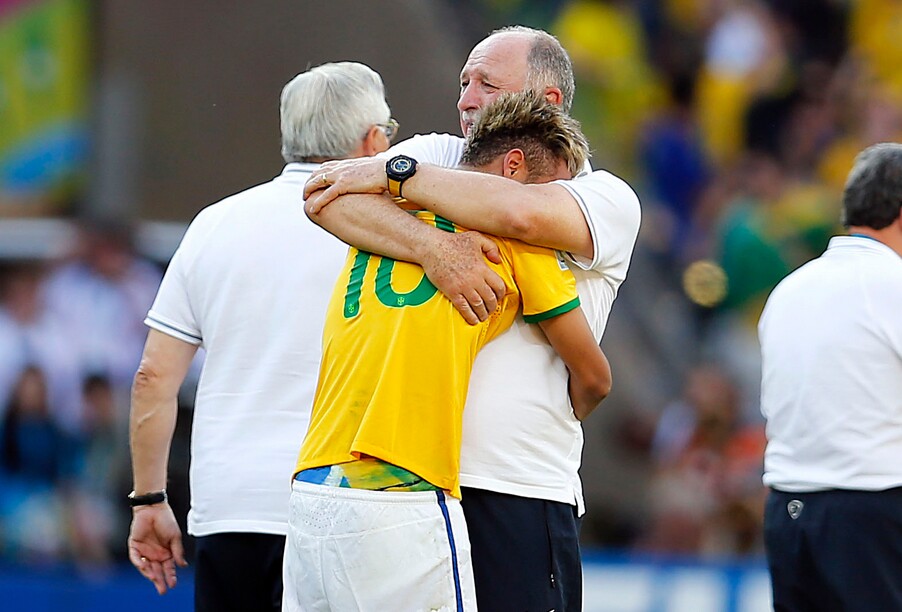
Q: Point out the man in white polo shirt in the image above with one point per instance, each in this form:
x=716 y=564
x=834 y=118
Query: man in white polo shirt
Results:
x=831 y=391
x=250 y=283
x=522 y=444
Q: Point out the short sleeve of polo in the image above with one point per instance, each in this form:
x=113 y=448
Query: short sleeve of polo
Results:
x=172 y=312
x=611 y=209
x=547 y=287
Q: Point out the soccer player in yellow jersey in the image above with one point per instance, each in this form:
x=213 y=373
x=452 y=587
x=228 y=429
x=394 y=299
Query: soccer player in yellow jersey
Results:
x=375 y=522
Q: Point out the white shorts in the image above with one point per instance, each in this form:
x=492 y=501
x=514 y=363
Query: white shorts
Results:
x=356 y=550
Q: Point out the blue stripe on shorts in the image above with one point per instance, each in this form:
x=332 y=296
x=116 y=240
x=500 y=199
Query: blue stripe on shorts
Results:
x=444 y=507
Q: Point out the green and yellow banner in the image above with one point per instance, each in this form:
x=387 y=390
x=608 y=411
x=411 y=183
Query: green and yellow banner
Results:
x=44 y=83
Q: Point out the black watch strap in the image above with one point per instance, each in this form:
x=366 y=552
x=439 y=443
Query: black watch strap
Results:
x=147 y=499
x=397 y=170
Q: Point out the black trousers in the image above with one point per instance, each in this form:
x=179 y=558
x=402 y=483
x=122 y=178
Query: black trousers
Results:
x=238 y=572
x=836 y=550
x=525 y=552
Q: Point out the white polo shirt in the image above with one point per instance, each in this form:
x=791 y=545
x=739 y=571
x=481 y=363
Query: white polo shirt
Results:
x=831 y=389
x=520 y=436
x=250 y=282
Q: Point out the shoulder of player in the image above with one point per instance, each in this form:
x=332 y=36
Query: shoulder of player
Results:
x=516 y=252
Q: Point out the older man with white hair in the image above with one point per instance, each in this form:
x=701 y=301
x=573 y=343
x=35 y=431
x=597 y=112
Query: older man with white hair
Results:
x=250 y=283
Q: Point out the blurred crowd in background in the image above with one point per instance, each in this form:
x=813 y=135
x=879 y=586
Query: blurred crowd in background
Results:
x=736 y=121
x=71 y=336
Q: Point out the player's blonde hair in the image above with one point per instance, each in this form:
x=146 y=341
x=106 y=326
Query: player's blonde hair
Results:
x=327 y=110
x=526 y=121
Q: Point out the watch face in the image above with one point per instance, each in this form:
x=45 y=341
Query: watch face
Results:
x=400 y=165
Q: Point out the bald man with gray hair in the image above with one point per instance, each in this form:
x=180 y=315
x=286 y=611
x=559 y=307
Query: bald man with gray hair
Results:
x=249 y=282
x=547 y=63
x=522 y=440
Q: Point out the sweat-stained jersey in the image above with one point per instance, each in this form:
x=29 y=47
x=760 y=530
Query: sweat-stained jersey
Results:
x=397 y=357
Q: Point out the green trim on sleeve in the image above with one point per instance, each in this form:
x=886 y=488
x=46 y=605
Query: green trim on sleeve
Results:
x=550 y=314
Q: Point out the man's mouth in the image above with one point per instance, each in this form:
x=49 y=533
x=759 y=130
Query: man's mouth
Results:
x=469 y=119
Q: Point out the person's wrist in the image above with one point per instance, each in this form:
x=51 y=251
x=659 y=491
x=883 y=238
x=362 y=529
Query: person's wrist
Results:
x=398 y=170
x=151 y=498
x=427 y=248
x=380 y=177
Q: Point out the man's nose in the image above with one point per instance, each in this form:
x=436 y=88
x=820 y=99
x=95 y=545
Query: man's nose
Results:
x=467 y=100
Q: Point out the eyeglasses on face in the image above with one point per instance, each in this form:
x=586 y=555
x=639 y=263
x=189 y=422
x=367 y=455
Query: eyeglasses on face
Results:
x=390 y=127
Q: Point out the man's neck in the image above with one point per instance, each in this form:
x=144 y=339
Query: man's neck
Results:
x=891 y=236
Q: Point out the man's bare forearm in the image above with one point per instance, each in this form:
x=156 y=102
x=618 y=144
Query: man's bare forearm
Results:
x=154 y=408
x=453 y=262
x=374 y=223
x=590 y=372
x=151 y=426
x=540 y=214
x=545 y=215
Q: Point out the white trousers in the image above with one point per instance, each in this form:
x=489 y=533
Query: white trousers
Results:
x=352 y=550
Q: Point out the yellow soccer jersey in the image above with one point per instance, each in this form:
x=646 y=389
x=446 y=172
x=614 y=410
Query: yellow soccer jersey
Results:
x=397 y=357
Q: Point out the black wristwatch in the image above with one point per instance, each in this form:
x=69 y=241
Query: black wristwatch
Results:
x=398 y=169
x=147 y=499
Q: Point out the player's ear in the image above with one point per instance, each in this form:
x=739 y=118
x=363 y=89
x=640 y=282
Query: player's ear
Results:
x=375 y=141
x=515 y=164
x=554 y=96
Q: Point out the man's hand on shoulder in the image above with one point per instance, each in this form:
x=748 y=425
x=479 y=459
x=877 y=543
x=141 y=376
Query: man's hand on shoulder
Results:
x=456 y=266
